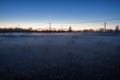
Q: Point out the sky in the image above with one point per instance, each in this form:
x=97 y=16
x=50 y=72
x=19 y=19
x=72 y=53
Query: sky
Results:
x=80 y=14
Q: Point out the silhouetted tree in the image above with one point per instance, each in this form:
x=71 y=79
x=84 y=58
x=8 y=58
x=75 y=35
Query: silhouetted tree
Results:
x=101 y=30
x=117 y=28
x=91 y=30
x=70 y=29
x=30 y=29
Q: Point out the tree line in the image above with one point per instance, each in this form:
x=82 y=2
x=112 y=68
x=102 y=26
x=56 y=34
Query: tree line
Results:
x=69 y=30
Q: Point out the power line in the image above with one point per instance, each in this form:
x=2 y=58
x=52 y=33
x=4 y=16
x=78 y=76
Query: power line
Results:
x=93 y=21
x=100 y=20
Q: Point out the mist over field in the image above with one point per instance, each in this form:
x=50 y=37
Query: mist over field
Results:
x=59 y=56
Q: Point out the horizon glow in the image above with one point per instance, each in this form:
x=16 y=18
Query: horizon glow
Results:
x=61 y=13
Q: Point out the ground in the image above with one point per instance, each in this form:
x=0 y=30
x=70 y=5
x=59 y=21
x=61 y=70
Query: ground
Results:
x=59 y=56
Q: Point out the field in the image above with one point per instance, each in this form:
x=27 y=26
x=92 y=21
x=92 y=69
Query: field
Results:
x=59 y=56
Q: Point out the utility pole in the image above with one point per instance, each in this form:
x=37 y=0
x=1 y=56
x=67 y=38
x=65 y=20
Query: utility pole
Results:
x=62 y=28
x=105 y=27
x=50 y=26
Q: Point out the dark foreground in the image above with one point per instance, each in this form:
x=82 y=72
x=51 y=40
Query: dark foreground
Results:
x=60 y=57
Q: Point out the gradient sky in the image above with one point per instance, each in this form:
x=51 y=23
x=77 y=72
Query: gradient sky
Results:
x=77 y=13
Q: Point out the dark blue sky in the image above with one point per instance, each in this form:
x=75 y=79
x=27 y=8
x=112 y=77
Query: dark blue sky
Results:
x=57 y=11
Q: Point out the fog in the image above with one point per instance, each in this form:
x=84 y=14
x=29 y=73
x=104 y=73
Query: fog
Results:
x=59 y=56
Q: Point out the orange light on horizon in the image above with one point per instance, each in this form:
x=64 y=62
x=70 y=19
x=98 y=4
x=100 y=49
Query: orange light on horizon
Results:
x=45 y=26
